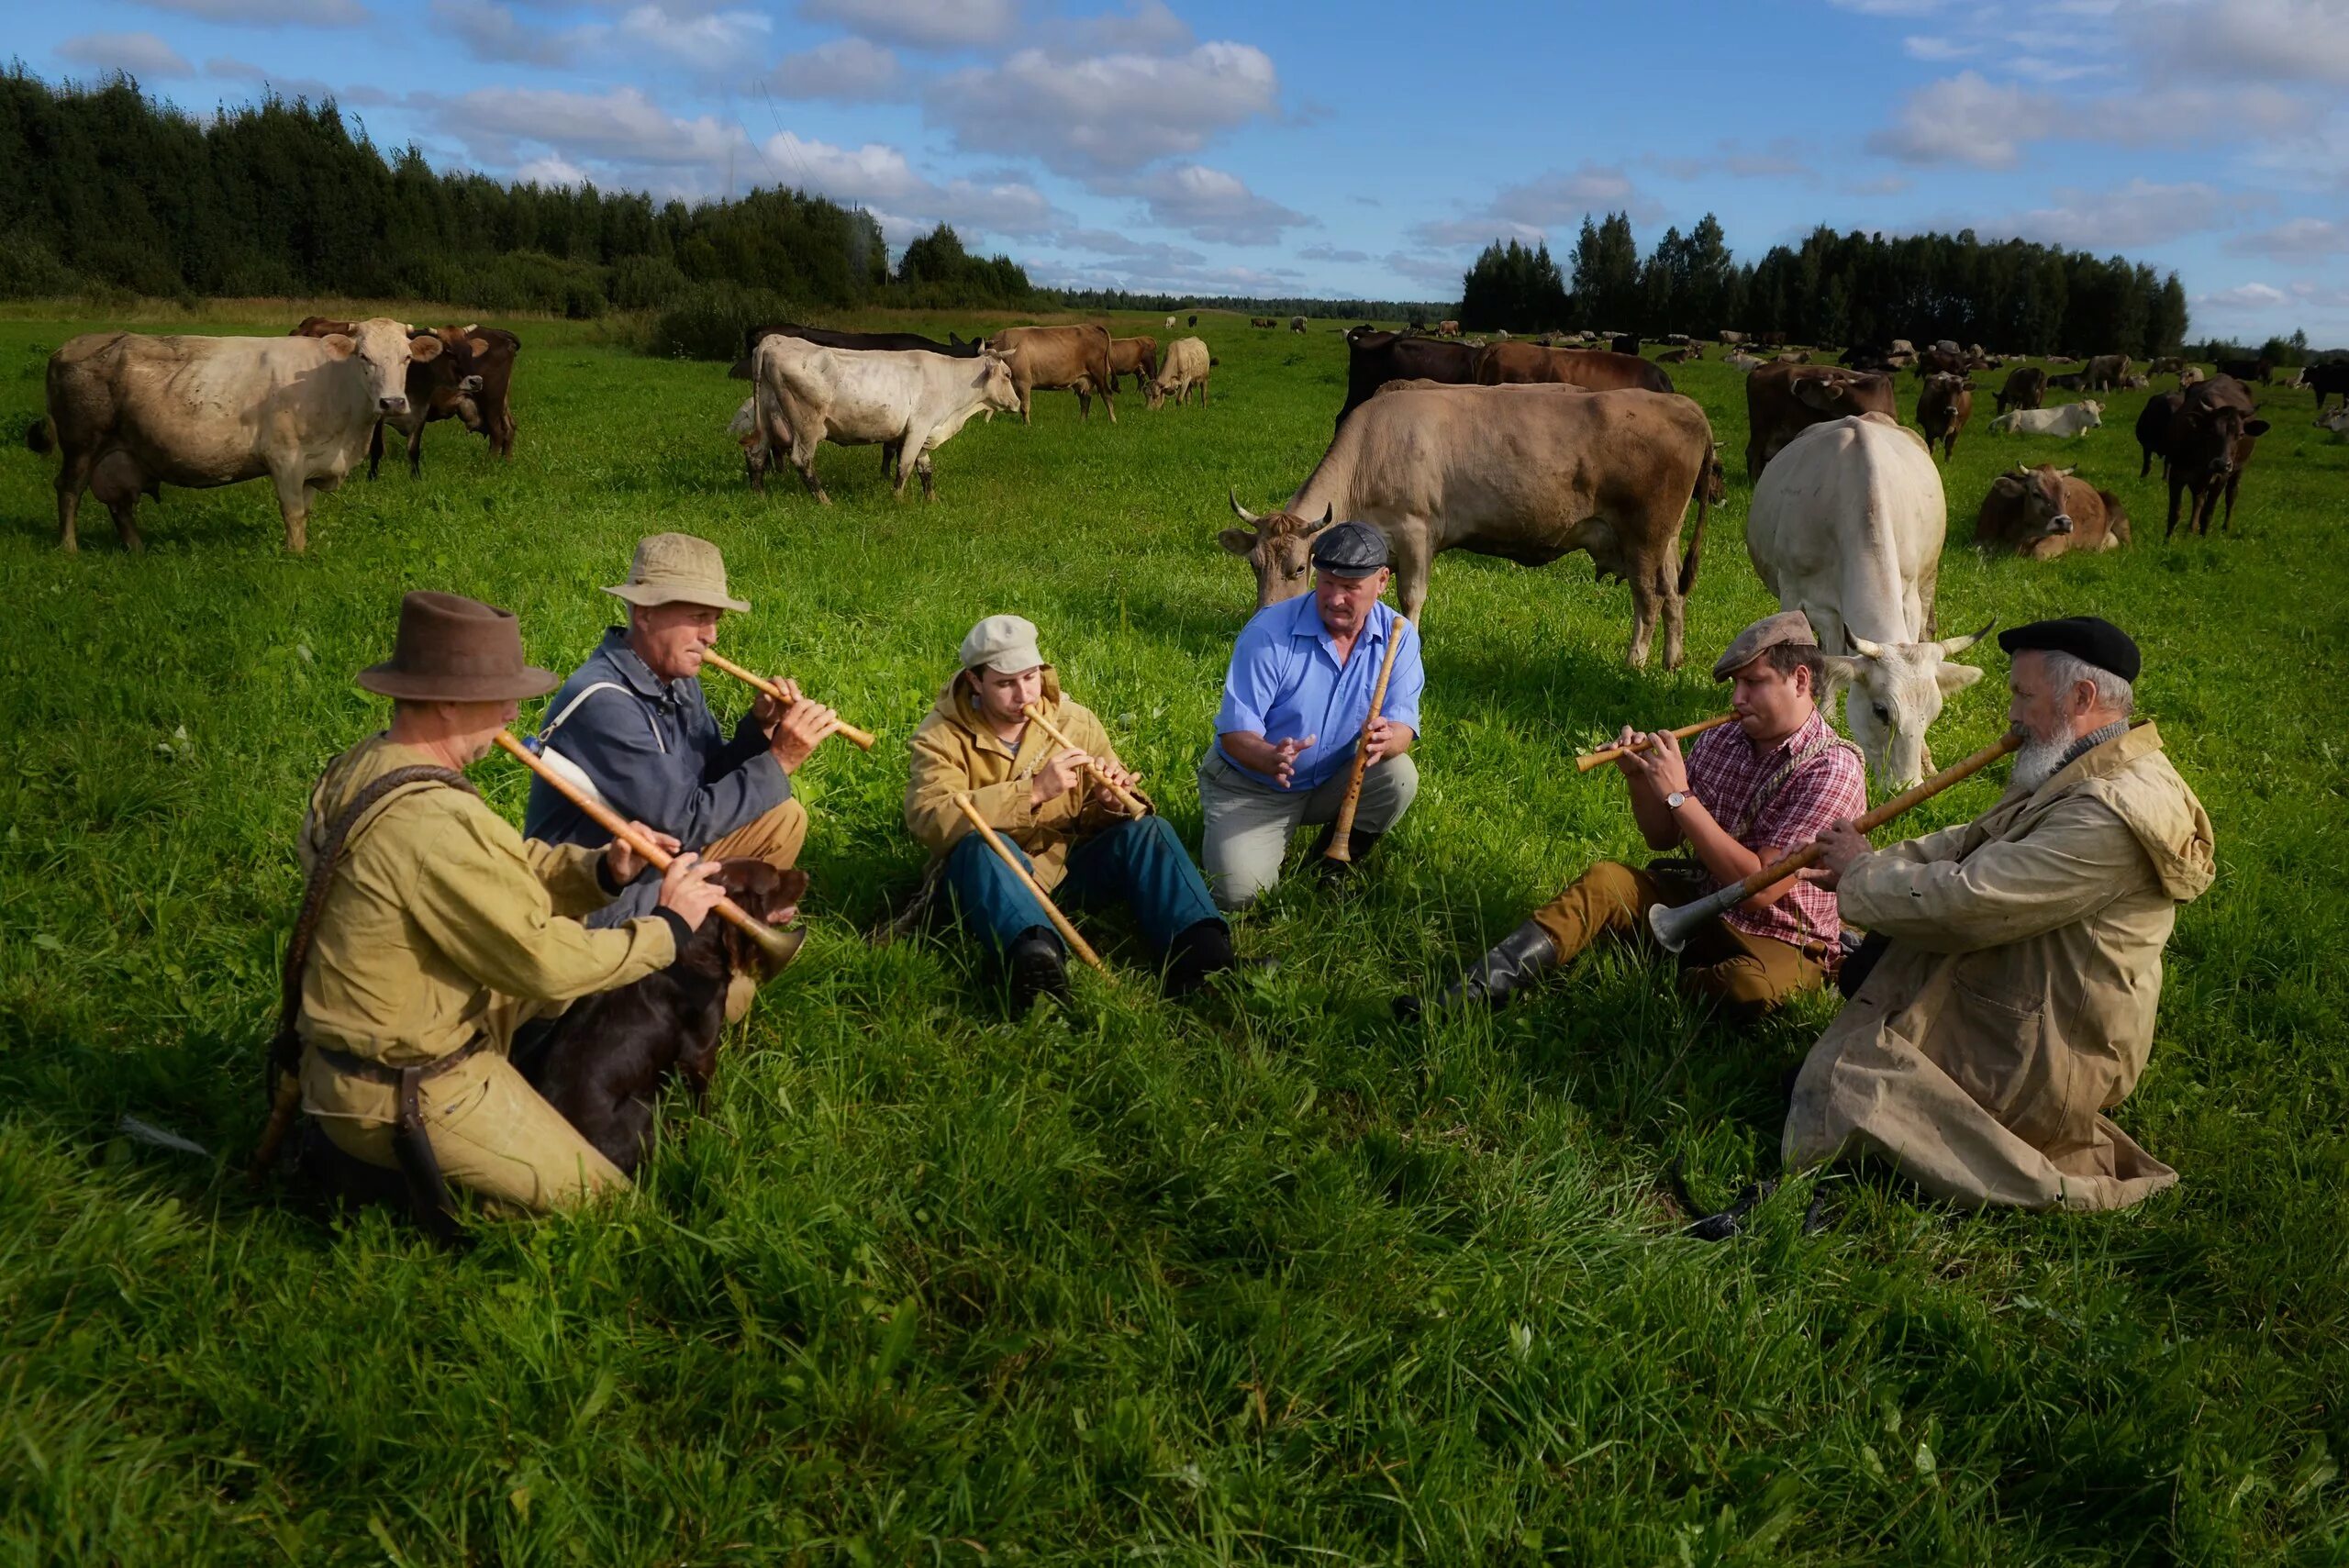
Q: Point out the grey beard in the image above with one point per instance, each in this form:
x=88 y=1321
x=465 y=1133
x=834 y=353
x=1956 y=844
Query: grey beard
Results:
x=2038 y=759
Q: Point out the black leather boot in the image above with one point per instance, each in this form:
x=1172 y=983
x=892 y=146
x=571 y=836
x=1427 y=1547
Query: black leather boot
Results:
x=1036 y=968
x=1516 y=963
x=1358 y=847
x=1197 y=952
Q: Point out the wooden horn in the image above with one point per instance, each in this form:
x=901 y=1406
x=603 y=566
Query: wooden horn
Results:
x=1342 y=829
x=1590 y=760
x=862 y=738
x=1011 y=862
x=1124 y=797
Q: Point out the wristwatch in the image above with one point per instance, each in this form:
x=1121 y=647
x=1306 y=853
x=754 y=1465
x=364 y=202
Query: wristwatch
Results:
x=1676 y=799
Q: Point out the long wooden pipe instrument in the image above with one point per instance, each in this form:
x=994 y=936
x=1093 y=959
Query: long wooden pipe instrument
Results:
x=1123 y=797
x=1342 y=831
x=1590 y=760
x=1674 y=928
x=862 y=738
x=778 y=945
x=1011 y=862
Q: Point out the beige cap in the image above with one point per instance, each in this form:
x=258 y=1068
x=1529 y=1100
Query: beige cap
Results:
x=1006 y=643
x=1786 y=626
x=677 y=568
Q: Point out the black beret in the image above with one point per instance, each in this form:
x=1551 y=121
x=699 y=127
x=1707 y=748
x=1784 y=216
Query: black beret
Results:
x=2090 y=638
x=1350 y=549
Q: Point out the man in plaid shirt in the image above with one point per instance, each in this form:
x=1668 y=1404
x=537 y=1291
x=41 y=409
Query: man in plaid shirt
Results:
x=1746 y=794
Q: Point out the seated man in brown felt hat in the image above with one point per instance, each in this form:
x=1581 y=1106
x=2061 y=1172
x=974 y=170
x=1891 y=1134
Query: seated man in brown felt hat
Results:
x=633 y=723
x=439 y=929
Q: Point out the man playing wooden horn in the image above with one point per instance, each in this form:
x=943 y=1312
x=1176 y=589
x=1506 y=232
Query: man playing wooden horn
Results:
x=440 y=929
x=2015 y=1003
x=634 y=722
x=1746 y=794
x=1071 y=832
x=1295 y=703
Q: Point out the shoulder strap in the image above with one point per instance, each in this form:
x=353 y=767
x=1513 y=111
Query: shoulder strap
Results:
x=1767 y=791
x=546 y=732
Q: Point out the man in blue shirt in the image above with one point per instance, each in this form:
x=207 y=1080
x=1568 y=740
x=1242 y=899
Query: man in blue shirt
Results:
x=1292 y=712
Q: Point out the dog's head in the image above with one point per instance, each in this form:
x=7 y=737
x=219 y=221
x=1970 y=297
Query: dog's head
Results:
x=766 y=893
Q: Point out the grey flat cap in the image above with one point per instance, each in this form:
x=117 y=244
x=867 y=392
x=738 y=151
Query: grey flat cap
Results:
x=1786 y=627
x=1350 y=549
x=1003 y=643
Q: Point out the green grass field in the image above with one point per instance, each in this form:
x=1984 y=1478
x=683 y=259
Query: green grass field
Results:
x=1266 y=1278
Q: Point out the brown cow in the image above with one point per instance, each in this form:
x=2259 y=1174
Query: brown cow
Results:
x=2043 y=512
x=1594 y=370
x=2026 y=388
x=1447 y=328
x=1528 y=473
x=2105 y=372
x=1136 y=356
x=1373 y=359
x=468 y=381
x=1783 y=401
x=2210 y=436
x=1943 y=359
x=1942 y=409
x=1058 y=359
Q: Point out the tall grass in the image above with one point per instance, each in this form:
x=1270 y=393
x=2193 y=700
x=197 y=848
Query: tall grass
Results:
x=1262 y=1278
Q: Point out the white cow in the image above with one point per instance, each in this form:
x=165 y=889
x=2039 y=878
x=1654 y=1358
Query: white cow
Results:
x=133 y=413
x=806 y=395
x=2337 y=422
x=2070 y=420
x=1186 y=366
x=1170 y=321
x=1846 y=526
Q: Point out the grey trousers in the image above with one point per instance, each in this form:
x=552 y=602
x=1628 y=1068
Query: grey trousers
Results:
x=1249 y=823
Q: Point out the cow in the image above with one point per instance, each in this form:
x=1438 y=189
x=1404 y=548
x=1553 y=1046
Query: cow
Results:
x=808 y=394
x=2337 y=422
x=1623 y=343
x=1942 y=409
x=2248 y=370
x=1193 y=321
x=1846 y=526
x=1528 y=473
x=1594 y=370
x=2044 y=512
x=955 y=347
x=1901 y=346
x=1943 y=359
x=1730 y=340
x=1794 y=357
x=2134 y=383
x=1783 y=400
x=2153 y=428
x=1373 y=359
x=1447 y=328
x=1674 y=357
x=1265 y=321
x=1187 y=366
x=2070 y=381
x=468 y=381
x=2168 y=364
x=489 y=411
x=1743 y=361
x=2070 y=420
x=2105 y=372
x=2026 y=387
x=2192 y=375
x=2210 y=436
x=1867 y=357
x=1296 y=323
x=131 y=413
x=1058 y=359
x=2328 y=380
x=1136 y=356
x=1170 y=324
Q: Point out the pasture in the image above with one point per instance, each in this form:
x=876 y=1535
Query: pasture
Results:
x=1262 y=1278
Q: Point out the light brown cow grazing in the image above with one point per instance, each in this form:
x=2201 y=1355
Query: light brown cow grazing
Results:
x=1059 y=359
x=1187 y=364
x=1942 y=409
x=2043 y=512
x=1594 y=370
x=132 y=413
x=1783 y=401
x=2105 y=372
x=1528 y=473
x=1447 y=328
x=1136 y=356
x=805 y=394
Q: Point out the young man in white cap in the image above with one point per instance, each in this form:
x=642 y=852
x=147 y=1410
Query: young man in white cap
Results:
x=1064 y=825
x=634 y=720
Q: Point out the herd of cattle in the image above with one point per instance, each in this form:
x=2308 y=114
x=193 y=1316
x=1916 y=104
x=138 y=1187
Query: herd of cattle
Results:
x=1519 y=448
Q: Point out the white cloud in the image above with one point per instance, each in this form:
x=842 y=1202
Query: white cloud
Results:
x=1936 y=48
x=1145 y=26
x=1889 y=8
x=920 y=24
x=222 y=69
x=553 y=170
x=622 y=125
x=1426 y=269
x=273 y=13
x=142 y=54
x=1964 y=119
x=1110 y=243
x=1331 y=253
x=879 y=177
x=2247 y=40
x=2299 y=238
x=1210 y=205
x=2244 y=296
x=491 y=32
x=2133 y=215
x=1110 y=113
x=1529 y=210
x=713 y=42
x=847 y=71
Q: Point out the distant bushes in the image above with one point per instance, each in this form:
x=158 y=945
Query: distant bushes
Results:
x=708 y=322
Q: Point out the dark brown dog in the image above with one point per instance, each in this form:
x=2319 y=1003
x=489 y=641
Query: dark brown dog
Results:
x=603 y=1064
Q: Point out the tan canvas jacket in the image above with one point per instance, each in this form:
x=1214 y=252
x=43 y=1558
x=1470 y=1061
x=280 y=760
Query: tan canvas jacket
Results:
x=2016 y=1004
x=952 y=751
x=441 y=915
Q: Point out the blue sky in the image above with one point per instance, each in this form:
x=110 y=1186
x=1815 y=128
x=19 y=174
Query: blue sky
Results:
x=1353 y=148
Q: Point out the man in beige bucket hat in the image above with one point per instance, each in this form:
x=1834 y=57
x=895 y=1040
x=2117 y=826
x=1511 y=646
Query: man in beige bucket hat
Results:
x=633 y=723
x=437 y=930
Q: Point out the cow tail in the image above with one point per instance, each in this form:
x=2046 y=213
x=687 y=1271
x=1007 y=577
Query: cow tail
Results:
x=1697 y=540
x=41 y=435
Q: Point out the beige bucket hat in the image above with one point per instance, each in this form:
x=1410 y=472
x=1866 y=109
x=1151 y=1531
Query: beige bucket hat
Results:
x=677 y=568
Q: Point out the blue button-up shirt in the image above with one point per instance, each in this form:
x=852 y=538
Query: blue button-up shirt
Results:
x=1286 y=683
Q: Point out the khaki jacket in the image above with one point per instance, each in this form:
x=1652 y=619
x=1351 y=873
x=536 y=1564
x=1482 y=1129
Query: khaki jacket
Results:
x=953 y=753
x=2016 y=1003
x=442 y=919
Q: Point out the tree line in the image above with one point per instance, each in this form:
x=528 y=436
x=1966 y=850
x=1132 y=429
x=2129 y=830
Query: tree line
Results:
x=2009 y=295
x=103 y=188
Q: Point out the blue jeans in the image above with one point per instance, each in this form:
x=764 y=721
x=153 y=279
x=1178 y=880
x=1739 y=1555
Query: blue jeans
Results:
x=1140 y=862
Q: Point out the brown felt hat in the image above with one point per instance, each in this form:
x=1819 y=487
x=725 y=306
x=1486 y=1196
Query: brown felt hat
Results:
x=677 y=568
x=1770 y=631
x=452 y=649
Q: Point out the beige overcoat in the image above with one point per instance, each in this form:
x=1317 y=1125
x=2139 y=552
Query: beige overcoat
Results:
x=2016 y=1003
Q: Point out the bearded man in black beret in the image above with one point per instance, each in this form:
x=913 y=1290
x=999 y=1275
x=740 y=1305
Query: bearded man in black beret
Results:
x=2014 y=1005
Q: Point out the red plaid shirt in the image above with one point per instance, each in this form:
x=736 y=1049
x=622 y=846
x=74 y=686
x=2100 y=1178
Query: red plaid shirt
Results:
x=1725 y=771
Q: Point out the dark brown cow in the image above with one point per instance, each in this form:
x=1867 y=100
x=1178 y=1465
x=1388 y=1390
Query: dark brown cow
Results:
x=1943 y=359
x=1783 y=401
x=2070 y=381
x=2257 y=370
x=1594 y=370
x=2026 y=388
x=2209 y=441
x=1136 y=356
x=2328 y=380
x=1373 y=359
x=452 y=384
x=1942 y=409
x=2153 y=428
x=1059 y=359
x=2044 y=512
x=2106 y=372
